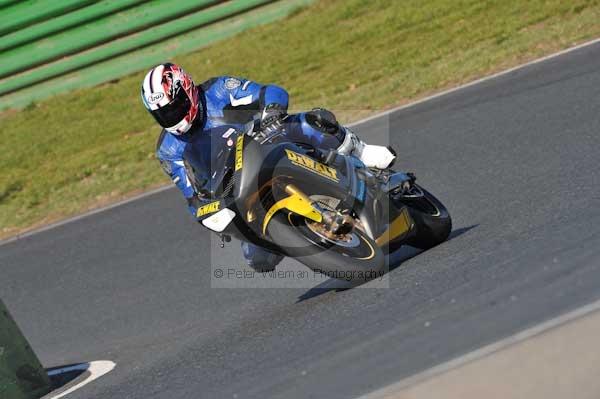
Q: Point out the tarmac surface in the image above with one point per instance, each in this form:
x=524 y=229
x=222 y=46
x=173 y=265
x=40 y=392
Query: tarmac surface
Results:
x=514 y=158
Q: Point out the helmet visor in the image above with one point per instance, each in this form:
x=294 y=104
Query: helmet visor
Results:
x=174 y=112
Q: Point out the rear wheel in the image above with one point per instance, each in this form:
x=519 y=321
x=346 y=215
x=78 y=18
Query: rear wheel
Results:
x=431 y=217
x=352 y=256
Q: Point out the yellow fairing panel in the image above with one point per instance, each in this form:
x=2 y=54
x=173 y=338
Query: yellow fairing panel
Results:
x=401 y=225
x=297 y=202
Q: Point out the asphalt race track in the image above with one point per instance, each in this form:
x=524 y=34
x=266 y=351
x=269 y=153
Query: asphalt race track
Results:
x=515 y=159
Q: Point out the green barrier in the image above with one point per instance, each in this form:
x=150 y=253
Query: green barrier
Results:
x=65 y=43
x=6 y=3
x=63 y=22
x=148 y=57
x=21 y=374
x=32 y=11
x=128 y=43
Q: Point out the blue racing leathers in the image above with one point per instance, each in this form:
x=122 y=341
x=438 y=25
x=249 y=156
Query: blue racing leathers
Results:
x=227 y=103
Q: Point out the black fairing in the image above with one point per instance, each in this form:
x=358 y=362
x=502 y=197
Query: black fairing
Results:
x=266 y=164
x=267 y=167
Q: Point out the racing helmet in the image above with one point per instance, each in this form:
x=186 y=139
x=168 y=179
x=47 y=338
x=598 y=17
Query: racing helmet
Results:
x=171 y=97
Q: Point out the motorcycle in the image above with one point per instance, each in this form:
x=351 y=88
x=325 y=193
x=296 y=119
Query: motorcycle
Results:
x=325 y=209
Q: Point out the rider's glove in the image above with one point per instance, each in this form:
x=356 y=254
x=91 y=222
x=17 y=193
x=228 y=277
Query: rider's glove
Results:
x=271 y=117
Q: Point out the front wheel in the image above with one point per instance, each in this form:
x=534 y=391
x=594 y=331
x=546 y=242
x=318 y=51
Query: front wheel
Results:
x=432 y=220
x=353 y=257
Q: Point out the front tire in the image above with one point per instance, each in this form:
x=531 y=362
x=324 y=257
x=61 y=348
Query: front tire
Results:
x=431 y=217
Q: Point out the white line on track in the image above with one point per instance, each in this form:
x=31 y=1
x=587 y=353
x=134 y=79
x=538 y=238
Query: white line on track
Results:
x=388 y=112
x=483 y=352
x=96 y=369
x=478 y=81
x=86 y=214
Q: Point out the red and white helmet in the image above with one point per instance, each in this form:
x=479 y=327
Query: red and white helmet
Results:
x=169 y=94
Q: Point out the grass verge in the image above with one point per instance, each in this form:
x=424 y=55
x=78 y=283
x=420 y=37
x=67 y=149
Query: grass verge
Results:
x=90 y=147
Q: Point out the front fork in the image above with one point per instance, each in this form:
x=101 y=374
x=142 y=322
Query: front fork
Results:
x=386 y=222
x=398 y=182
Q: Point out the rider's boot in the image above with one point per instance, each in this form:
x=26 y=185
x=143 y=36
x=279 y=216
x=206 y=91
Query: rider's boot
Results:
x=373 y=156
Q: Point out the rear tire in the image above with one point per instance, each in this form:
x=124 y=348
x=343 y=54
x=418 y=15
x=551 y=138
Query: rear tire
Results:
x=360 y=262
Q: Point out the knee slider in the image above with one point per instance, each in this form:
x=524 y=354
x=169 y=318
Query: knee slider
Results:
x=323 y=120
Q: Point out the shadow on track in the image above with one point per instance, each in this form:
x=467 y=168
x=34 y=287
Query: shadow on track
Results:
x=401 y=255
x=458 y=232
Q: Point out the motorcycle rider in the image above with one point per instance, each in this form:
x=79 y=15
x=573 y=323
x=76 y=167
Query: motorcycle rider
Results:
x=196 y=118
